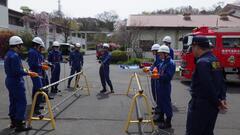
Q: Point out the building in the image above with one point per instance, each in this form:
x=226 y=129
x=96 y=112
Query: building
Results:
x=4 y=14
x=150 y=29
x=13 y=21
x=232 y=10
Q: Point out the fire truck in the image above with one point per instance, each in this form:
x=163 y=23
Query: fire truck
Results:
x=99 y=48
x=225 y=44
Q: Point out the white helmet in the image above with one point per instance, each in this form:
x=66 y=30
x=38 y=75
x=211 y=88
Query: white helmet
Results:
x=167 y=39
x=42 y=45
x=164 y=49
x=155 y=47
x=78 y=45
x=38 y=40
x=106 y=45
x=56 y=44
x=15 y=40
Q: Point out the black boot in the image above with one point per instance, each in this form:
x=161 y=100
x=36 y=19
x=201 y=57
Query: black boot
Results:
x=158 y=117
x=53 y=90
x=37 y=110
x=167 y=124
x=13 y=123
x=57 y=90
x=21 y=127
x=103 y=91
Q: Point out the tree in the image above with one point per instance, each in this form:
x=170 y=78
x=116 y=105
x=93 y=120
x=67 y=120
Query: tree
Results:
x=90 y=24
x=68 y=24
x=26 y=10
x=109 y=18
x=40 y=22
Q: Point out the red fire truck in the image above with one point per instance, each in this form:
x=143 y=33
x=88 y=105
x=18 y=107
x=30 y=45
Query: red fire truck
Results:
x=99 y=47
x=225 y=46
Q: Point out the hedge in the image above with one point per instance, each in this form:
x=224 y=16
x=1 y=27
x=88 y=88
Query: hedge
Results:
x=118 y=56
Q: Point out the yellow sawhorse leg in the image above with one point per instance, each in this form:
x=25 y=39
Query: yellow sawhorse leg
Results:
x=86 y=83
x=130 y=83
x=51 y=117
x=132 y=106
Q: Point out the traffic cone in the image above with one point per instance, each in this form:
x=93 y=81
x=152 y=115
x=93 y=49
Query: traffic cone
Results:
x=155 y=74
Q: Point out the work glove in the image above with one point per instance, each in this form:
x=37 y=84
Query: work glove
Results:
x=32 y=74
x=45 y=67
x=146 y=70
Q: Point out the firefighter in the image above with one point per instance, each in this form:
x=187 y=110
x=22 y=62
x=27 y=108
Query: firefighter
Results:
x=34 y=62
x=75 y=61
x=166 y=72
x=208 y=90
x=15 y=84
x=55 y=57
x=167 y=40
x=45 y=80
x=104 y=69
x=154 y=84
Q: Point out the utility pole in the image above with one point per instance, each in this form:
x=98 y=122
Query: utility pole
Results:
x=59 y=8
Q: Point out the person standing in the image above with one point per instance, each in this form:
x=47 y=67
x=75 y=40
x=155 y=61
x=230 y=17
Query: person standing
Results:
x=167 y=40
x=35 y=64
x=154 y=83
x=104 y=69
x=45 y=80
x=166 y=72
x=75 y=61
x=55 y=58
x=15 y=84
x=208 y=90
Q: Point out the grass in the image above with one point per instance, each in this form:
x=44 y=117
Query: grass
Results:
x=135 y=61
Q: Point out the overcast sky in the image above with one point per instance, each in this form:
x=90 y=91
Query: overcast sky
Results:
x=89 y=8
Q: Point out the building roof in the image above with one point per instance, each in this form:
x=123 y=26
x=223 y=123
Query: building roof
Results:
x=232 y=10
x=149 y=21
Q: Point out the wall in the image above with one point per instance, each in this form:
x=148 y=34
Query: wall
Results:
x=158 y=35
x=4 y=17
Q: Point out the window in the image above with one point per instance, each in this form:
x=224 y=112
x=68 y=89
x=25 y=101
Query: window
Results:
x=51 y=30
x=3 y=2
x=212 y=40
x=83 y=35
x=73 y=34
x=146 y=44
x=231 y=42
x=83 y=47
x=79 y=35
x=59 y=30
x=50 y=43
x=15 y=21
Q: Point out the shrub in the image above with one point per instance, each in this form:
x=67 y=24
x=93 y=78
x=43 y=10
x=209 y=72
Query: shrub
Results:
x=118 y=56
x=27 y=38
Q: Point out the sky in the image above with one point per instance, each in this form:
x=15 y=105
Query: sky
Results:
x=124 y=8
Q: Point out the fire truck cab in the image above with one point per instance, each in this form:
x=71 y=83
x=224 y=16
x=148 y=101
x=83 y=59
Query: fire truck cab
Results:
x=225 y=46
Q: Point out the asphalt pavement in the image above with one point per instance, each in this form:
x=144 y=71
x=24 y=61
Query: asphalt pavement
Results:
x=106 y=114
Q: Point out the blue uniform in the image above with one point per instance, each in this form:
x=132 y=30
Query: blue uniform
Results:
x=166 y=71
x=15 y=85
x=104 y=70
x=55 y=57
x=45 y=80
x=35 y=65
x=76 y=63
x=171 y=53
x=207 y=89
x=154 y=82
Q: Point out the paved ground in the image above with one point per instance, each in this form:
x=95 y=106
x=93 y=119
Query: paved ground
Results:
x=106 y=114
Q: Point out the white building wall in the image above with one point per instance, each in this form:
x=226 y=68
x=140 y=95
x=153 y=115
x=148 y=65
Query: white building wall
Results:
x=15 y=28
x=157 y=35
x=4 y=16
